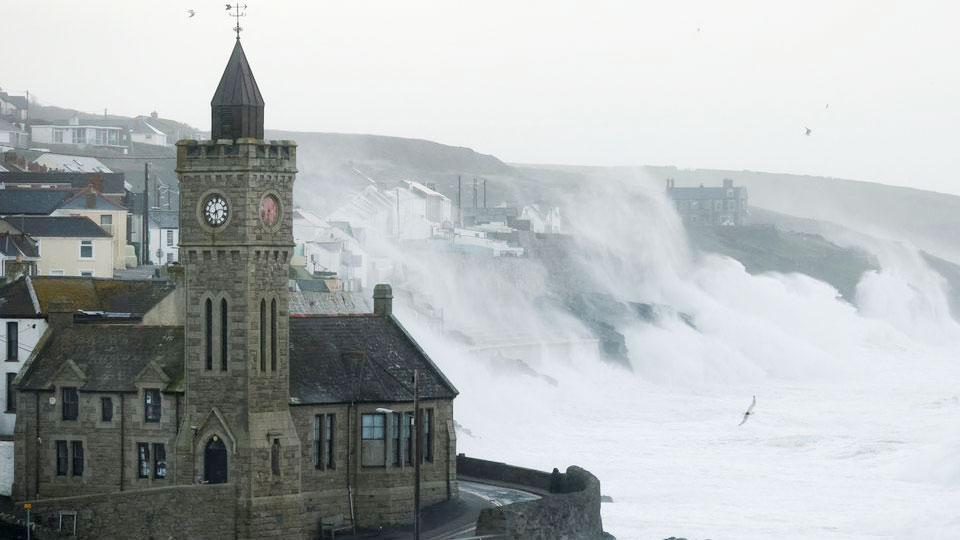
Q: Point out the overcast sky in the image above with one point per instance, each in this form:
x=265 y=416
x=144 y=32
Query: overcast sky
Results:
x=718 y=83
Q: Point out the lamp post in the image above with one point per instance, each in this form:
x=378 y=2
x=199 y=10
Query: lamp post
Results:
x=418 y=451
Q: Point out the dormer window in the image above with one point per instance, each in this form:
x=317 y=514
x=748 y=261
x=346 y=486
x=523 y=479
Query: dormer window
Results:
x=71 y=403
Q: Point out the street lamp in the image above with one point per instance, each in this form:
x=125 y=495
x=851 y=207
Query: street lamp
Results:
x=418 y=452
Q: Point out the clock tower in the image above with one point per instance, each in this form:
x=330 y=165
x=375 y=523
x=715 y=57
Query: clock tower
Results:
x=236 y=241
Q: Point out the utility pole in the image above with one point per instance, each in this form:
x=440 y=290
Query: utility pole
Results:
x=398 y=213
x=474 y=192
x=459 y=201
x=145 y=233
x=484 y=192
x=419 y=453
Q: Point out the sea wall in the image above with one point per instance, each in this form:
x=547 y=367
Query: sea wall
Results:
x=569 y=507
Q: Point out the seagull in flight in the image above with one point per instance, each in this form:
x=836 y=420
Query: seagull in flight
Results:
x=192 y=13
x=808 y=132
x=747 y=414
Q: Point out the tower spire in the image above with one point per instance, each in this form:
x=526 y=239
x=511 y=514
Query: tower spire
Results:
x=237 y=106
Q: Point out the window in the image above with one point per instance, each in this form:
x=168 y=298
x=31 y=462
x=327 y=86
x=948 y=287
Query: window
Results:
x=273 y=335
x=86 y=249
x=56 y=272
x=169 y=237
x=159 y=461
x=71 y=403
x=275 y=457
x=79 y=135
x=106 y=409
x=224 y=326
x=151 y=405
x=86 y=273
x=101 y=136
x=263 y=335
x=372 y=451
x=77 y=458
x=143 y=460
x=169 y=257
x=208 y=333
x=37 y=240
x=62 y=459
x=395 y=420
x=13 y=341
x=426 y=431
x=408 y=429
x=11 y=395
x=106 y=222
x=328 y=433
x=58 y=138
x=323 y=426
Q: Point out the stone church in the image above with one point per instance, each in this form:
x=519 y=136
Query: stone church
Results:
x=229 y=418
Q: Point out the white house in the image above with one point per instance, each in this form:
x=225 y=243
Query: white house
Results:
x=13 y=135
x=306 y=225
x=164 y=236
x=144 y=133
x=68 y=245
x=75 y=133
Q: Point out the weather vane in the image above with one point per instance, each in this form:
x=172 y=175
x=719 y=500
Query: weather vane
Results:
x=236 y=11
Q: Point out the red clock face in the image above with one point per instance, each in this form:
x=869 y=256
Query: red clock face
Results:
x=269 y=210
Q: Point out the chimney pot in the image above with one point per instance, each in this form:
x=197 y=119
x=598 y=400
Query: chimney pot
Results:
x=382 y=300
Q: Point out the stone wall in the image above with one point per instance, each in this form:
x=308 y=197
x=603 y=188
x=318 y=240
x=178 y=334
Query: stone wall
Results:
x=148 y=513
x=568 y=510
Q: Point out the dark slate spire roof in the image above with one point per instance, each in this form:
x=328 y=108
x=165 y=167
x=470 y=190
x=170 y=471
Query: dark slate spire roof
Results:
x=237 y=106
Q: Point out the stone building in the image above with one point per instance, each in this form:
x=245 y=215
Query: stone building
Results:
x=724 y=206
x=271 y=422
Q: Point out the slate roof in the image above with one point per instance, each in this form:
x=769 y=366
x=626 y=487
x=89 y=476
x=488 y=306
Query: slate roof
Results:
x=111 y=183
x=82 y=201
x=31 y=202
x=329 y=303
x=237 y=85
x=110 y=357
x=101 y=294
x=16 y=301
x=58 y=226
x=358 y=358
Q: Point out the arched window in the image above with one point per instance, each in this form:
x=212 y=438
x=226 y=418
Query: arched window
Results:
x=215 y=461
x=273 y=335
x=208 y=333
x=275 y=457
x=263 y=335
x=224 y=334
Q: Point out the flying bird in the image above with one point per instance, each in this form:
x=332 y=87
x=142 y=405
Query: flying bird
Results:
x=229 y=7
x=747 y=414
x=809 y=131
x=191 y=13
x=828 y=106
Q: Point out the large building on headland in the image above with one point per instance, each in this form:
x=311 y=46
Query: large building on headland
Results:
x=228 y=418
x=724 y=206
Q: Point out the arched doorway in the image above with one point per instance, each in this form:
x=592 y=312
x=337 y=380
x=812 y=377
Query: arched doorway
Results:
x=215 y=461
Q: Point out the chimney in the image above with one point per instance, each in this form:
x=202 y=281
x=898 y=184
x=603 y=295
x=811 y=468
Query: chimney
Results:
x=59 y=313
x=154 y=115
x=91 y=200
x=382 y=300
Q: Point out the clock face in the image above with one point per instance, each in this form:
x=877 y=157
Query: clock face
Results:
x=269 y=210
x=215 y=210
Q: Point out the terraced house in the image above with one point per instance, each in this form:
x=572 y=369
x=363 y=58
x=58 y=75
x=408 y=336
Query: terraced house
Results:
x=227 y=417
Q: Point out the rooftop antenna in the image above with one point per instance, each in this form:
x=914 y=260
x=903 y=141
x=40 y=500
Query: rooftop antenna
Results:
x=236 y=11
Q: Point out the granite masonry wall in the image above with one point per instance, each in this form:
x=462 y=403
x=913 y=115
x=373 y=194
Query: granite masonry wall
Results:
x=568 y=510
x=150 y=513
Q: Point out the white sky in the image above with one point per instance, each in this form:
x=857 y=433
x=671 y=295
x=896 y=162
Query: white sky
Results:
x=591 y=82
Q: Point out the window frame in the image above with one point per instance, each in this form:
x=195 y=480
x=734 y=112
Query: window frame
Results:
x=169 y=237
x=329 y=441
x=70 y=409
x=152 y=406
x=62 y=458
x=275 y=451
x=143 y=460
x=11 y=393
x=374 y=432
x=208 y=334
x=159 y=461
x=83 y=244
x=76 y=458
x=106 y=404
x=224 y=333
x=13 y=341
